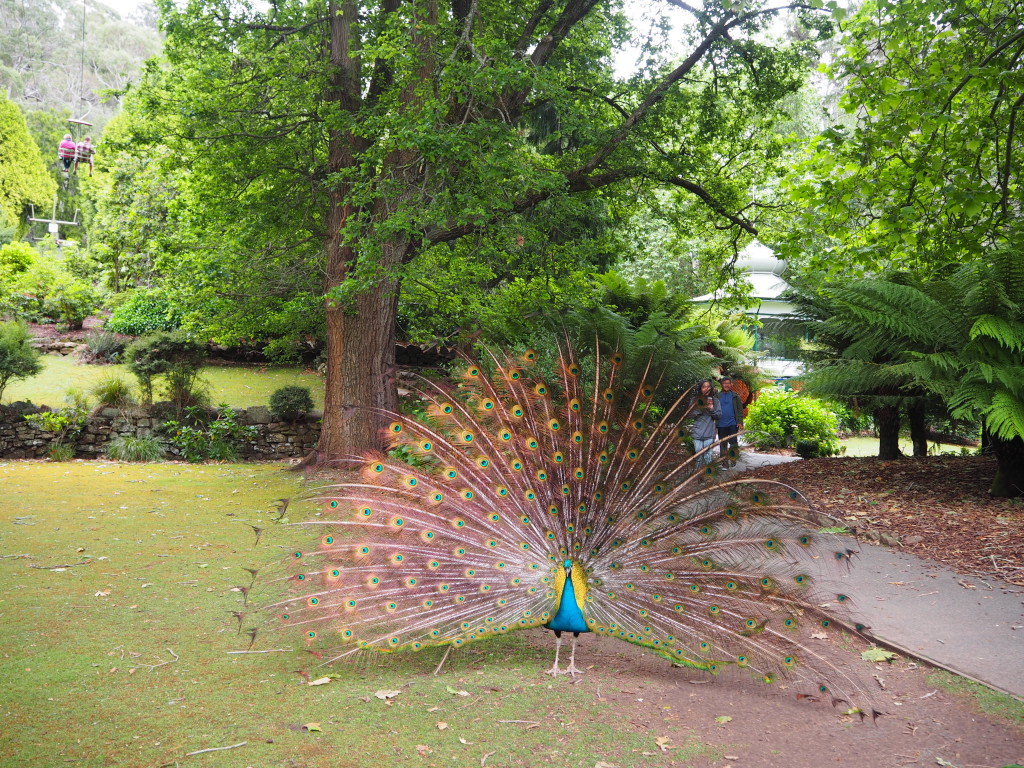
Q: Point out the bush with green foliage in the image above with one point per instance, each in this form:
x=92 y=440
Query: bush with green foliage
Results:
x=172 y=355
x=18 y=358
x=102 y=347
x=143 y=312
x=66 y=423
x=113 y=392
x=15 y=258
x=780 y=418
x=131 y=448
x=45 y=292
x=195 y=439
x=291 y=403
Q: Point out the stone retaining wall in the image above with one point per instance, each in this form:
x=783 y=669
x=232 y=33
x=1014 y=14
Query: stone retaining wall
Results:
x=273 y=439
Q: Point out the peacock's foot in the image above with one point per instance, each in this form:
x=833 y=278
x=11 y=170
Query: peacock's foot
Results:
x=555 y=671
x=573 y=671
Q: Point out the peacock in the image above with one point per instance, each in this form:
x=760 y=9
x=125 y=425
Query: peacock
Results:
x=566 y=496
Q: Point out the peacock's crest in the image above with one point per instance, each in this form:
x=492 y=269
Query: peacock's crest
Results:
x=567 y=500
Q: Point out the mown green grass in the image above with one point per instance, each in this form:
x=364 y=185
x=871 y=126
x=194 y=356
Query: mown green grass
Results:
x=110 y=570
x=990 y=702
x=240 y=386
x=868 y=446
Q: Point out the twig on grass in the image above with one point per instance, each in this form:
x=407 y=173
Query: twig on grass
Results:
x=216 y=749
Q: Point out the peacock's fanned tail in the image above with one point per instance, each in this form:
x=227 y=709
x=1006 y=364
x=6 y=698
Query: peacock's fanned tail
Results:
x=510 y=475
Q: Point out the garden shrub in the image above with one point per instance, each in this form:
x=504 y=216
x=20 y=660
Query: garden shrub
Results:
x=218 y=440
x=782 y=419
x=291 y=403
x=66 y=423
x=102 y=347
x=70 y=301
x=18 y=358
x=113 y=392
x=131 y=448
x=175 y=357
x=142 y=312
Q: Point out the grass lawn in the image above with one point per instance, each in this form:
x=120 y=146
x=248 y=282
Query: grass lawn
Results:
x=868 y=446
x=239 y=386
x=117 y=587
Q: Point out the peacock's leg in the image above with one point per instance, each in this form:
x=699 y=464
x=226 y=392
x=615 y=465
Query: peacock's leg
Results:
x=558 y=644
x=571 y=669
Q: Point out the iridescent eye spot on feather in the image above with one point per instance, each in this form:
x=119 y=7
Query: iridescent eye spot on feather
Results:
x=378 y=467
x=554 y=425
x=285 y=616
x=467 y=436
x=516 y=465
x=789 y=661
x=466 y=494
x=625 y=485
x=742 y=661
x=505 y=435
x=487 y=404
x=695 y=588
x=732 y=586
x=397 y=522
x=447 y=408
x=410 y=481
x=433 y=565
x=705 y=646
x=427 y=535
x=451 y=473
x=575 y=405
x=335 y=573
x=801 y=578
x=492 y=543
x=608 y=395
x=457 y=522
x=313 y=601
x=566 y=490
x=646 y=390
x=578 y=474
x=396 y=427
x=297 y=555
x=516 y=411
x=529 y=355
x=333 y=505
x=350 y=604
x=552 y=510
x=459 y=551
x=638 y=424
x=842 y=598
x=805 y=541
x=789 y=623
x=617 y=358
x=669 y=576
x=706 y=530
x=425 y=445
x=767 y=583
x=541 y=475
x=483 y=462
x=825 y=623
x=550 y=536
x=658 y=488
x=443 y=587
x=530 y=494
x=532 y=444
x=311 y=635
x=771 y=544
x=540 y=389
x=473 y=372
x=514 y=374
x=603 y=427
x=603 y=457
x=327 y=540
x=573 y=370
x=678 y=608
x=397 y=559
x=525 y=520
x=362 y=551
x=633 y=454
x=558 y=457
x=437 y=497
x=598 y=495
x=391 y=607
x=729 y=512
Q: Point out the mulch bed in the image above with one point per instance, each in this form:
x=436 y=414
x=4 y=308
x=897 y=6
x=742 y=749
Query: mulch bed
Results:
x=937 y=507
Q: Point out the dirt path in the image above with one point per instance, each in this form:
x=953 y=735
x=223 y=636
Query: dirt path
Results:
x=923 y=725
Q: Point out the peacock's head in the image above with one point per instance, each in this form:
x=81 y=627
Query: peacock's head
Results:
x=568 y=566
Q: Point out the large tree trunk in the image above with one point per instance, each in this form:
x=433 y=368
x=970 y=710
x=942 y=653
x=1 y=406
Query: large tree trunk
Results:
x=918 y=430
x=1009 y=479
x=887 y=421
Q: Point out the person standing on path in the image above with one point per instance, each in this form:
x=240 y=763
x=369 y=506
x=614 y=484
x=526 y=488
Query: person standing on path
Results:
x=706 y=413
x=730 y=423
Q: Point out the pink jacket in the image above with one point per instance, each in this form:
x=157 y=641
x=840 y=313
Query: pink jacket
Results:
x=67 y=149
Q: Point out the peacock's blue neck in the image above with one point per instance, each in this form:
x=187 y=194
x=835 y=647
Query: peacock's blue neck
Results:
x=568 y=617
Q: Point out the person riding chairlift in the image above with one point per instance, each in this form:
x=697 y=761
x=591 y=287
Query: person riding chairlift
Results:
x=84 y=152
x=66 y=152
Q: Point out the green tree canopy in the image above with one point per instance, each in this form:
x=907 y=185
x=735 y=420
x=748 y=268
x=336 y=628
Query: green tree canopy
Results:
x=928 y=173
x=23 y=176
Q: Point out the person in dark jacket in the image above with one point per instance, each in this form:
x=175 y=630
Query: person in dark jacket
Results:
x=730 y=423
x=706 y=413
